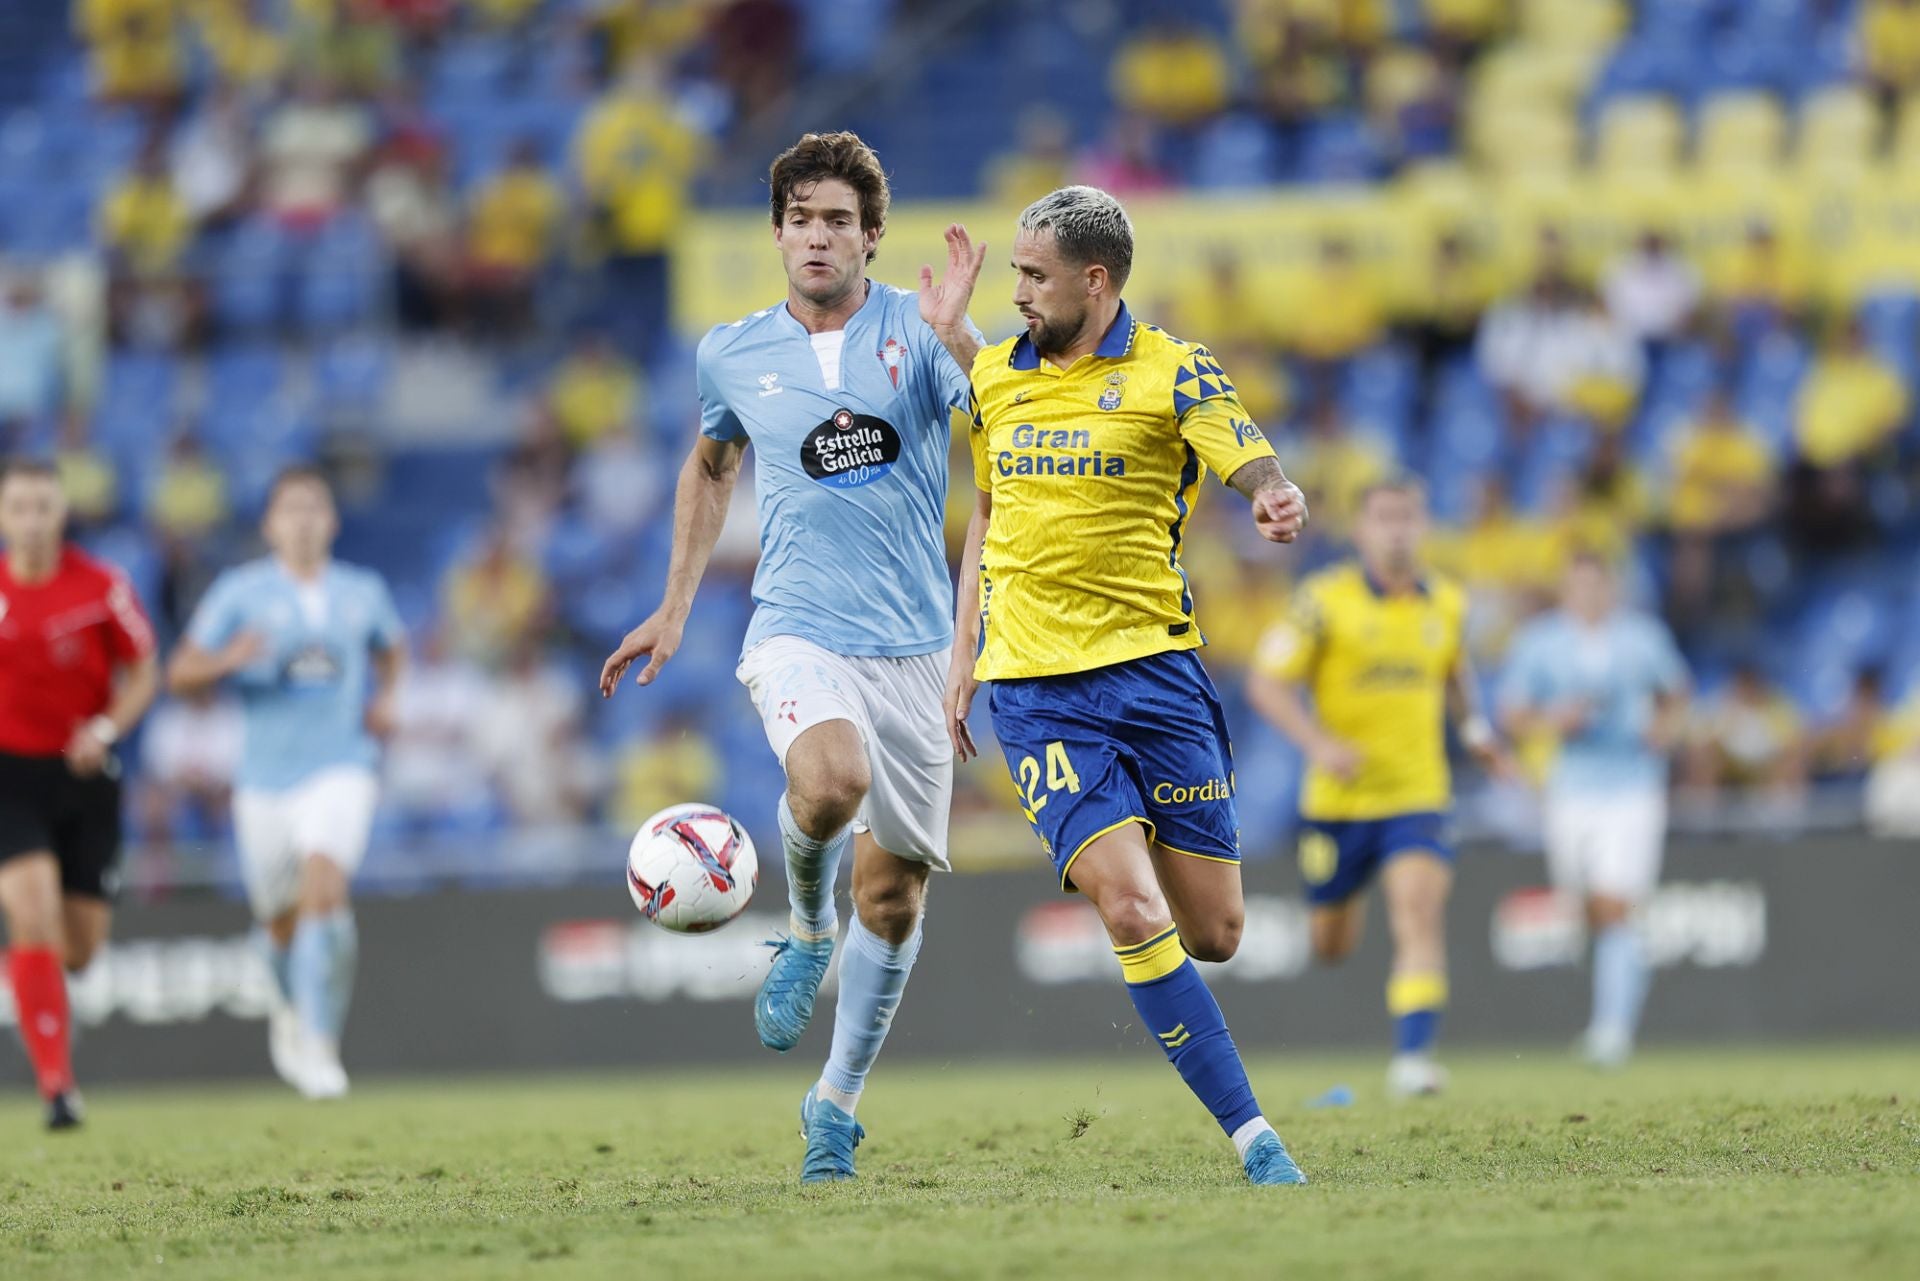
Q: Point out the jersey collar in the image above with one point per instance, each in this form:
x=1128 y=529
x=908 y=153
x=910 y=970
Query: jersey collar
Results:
x=1117 y=343
x=793 y=322
x=1379 y=589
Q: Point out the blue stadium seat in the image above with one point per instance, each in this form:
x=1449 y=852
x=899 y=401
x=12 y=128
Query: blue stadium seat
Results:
x=1339 y=149
x=250 y=278
x=352 y=372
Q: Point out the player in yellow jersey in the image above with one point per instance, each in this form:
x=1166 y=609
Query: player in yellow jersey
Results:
x=1091 y=433
x=1379 y=648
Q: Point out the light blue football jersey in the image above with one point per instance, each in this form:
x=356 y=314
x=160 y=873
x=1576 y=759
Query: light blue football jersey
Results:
x=1618 y=669
x=305 y=701
x=851 y=484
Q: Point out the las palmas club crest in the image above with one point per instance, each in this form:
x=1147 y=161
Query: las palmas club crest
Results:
x=891 y=354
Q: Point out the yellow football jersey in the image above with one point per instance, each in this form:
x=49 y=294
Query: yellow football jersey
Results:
x=1094 y=470
x=1377 y=668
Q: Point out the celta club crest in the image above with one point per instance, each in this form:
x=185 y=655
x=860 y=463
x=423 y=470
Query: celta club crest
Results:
x=1110 y=398
x=891 y=353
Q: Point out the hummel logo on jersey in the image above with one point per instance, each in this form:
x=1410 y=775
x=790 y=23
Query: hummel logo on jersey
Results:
x=770 y=385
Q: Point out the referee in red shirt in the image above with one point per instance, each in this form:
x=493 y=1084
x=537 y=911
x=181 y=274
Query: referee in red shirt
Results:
x=77 y=671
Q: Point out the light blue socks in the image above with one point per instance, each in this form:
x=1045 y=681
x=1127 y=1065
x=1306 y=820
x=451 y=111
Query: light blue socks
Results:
x=278 y=960
x=320 y=971
x=1619 y=982
x=873 y=974
x=812 y=868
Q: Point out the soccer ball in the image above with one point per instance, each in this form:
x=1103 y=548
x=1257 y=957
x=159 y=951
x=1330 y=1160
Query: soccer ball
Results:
x=691 y=868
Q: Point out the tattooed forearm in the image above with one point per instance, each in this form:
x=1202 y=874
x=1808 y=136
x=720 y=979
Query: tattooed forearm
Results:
x=1251 y=478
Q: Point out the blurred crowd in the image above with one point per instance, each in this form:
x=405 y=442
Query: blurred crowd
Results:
x=283 y=203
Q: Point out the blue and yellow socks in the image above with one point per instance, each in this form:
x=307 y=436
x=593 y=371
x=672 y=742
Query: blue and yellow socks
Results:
x=812 y=868
x=873 y=974
x=1415 y=1000
x=320 y=967
x=1177 y=1008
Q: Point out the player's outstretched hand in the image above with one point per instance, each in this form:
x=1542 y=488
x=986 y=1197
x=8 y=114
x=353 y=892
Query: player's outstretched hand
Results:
x=1280 y=512
x=960 y=688
x=944 y=305
x=655 y=640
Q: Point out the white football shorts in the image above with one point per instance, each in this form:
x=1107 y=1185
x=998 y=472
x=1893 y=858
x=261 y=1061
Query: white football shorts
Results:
x=896 y=704
x=1606 y=843
x=329 y=814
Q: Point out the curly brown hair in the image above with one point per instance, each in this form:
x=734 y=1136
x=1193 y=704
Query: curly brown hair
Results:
x=818 y=156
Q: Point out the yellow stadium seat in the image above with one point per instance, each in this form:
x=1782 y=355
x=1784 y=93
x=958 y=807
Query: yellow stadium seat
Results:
x=1511 y=76
x=1839 y=130
x=1532 y=142
x=1741 y=130
x=1643 y=134
x=1584 y=24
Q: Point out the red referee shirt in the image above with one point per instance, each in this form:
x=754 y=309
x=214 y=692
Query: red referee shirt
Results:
x=60 y=641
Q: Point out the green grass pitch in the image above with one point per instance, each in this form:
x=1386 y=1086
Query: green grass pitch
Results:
x=1749 y=1164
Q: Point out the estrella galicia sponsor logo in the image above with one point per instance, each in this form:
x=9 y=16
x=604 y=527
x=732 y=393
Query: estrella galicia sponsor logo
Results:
x=849 y=450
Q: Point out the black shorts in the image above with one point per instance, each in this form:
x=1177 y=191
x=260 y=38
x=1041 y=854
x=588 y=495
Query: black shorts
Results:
x=44 y=806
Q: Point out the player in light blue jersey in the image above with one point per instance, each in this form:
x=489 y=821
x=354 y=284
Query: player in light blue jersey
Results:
x=314 y=649
x=847 y=396
x=1612 y=688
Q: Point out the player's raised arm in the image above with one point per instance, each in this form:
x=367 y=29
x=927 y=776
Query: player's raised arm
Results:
x=944 y=305
x=961 y=682
x=700 y=502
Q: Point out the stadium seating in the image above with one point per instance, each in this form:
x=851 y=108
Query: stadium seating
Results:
x=300 y=355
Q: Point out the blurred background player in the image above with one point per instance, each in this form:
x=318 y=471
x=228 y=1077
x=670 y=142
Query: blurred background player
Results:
x=1609 y=686
x=848 y=396
x=1379 y=647
x=77 y=671
x=315 y=649
x=1072 y=602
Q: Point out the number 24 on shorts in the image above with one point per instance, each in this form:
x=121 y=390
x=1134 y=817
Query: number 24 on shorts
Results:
x=1059 y=774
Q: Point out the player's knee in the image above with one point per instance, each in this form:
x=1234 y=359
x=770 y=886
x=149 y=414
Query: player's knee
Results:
x=1331 y=941
x=828 y=796
x=1218 y=940
x=1133 y=915
x=1605 y=911
x=323 y=886
x=889 y=909
x=33 y=924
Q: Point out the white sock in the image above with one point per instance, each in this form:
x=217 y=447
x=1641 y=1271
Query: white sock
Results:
x=841 y=1099
x=1244 y=1136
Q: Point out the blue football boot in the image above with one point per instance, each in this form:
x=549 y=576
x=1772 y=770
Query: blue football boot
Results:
x=784 y=1006
x=1268 y=1163
x=831 y=1134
